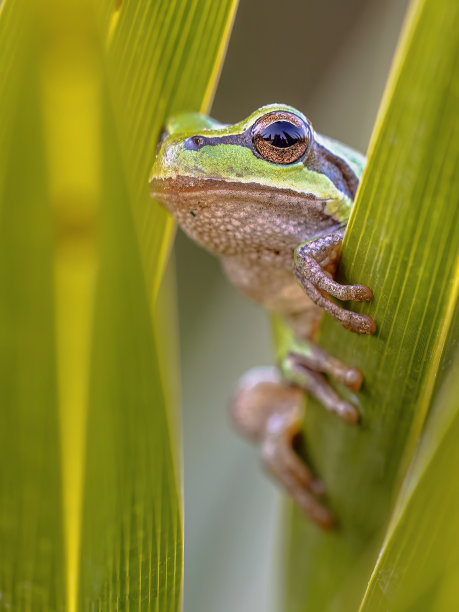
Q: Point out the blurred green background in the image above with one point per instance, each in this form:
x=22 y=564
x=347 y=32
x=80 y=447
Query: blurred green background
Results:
x=331 y=60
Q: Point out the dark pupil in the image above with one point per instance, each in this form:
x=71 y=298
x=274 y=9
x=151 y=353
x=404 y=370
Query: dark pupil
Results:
x=282 y=134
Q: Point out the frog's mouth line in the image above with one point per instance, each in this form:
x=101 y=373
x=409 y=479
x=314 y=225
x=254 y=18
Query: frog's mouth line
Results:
x=206 y=191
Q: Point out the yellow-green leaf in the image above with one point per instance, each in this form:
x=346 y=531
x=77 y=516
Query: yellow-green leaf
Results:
x=90 y=504
x=418 y=564
x=402 y=242
x=163 y=57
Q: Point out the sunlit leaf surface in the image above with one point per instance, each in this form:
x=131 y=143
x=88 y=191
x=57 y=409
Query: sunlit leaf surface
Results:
x=90 y=506
x=402 y=241
x=417 y=568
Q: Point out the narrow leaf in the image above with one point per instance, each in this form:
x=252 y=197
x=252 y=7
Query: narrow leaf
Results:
x=90 y=508
x=401 y=241
x=417 y=567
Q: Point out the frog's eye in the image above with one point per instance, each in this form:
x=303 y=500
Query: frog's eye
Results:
x=281 y=137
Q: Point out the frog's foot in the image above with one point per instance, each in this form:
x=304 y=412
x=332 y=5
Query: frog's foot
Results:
x=315 y=263
x=269 y=411
x=296 y=371
x=306 y=354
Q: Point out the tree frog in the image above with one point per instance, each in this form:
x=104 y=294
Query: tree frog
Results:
x=271 y=198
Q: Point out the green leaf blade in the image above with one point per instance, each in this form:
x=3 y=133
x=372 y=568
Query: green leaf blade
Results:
x=417 y=567
x=91 y=508
x=176 y=61
x=401 y=242
x=32 y=565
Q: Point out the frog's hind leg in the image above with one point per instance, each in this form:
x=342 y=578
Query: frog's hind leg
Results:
x=304 y=366
x=297 y=373
x=269 y=411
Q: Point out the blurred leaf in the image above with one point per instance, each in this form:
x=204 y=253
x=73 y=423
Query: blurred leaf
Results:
x=402 y=241
x=90 y=506
x=11 y=35
x=32 y=568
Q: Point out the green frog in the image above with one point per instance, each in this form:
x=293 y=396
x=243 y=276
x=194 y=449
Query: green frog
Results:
x=272 y=198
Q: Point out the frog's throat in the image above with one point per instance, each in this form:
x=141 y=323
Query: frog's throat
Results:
x=204 y=192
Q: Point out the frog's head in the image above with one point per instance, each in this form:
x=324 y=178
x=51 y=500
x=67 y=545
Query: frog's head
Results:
x=268 y=179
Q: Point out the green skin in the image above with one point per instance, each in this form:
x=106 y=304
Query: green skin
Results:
x=278 y=229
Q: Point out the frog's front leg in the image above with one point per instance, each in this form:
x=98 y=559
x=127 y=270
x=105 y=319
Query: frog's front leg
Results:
x=314 y=264
x=268 y=410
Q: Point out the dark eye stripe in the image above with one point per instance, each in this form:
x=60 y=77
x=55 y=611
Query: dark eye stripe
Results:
x=195 y=143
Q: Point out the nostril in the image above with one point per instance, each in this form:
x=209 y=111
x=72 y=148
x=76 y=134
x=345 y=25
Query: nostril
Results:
x=194 y=143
